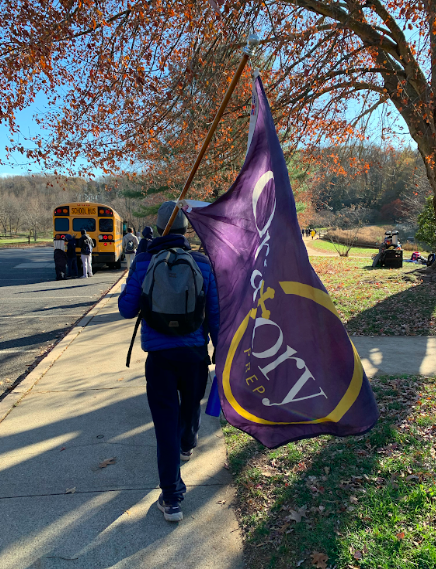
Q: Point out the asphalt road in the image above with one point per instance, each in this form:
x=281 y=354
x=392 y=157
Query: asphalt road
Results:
x=35 y=310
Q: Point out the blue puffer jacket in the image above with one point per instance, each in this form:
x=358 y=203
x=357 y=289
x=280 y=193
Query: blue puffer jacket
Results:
x=128 y=301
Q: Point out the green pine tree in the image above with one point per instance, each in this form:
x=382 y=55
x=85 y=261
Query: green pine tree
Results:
x=427 y=224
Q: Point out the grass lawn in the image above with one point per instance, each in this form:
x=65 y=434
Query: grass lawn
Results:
x=17 y=240
x=328 y=246
x=378 y=301
x=365 y=502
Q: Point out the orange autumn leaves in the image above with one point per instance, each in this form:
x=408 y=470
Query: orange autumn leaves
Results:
x=133 y=86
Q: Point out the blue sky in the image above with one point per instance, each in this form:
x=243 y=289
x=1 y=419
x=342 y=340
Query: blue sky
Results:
x=19 y=165
x=28 y=127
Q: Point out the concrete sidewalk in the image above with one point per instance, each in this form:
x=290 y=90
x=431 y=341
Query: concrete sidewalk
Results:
x=397 y=355
x=59 y=509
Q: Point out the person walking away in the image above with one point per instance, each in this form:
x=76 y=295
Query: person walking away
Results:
x=312 y=233
x=60 y=259
x=73 y=271
x=176 y=368
x=147 y=236
x=86 y=245
x=130 y=244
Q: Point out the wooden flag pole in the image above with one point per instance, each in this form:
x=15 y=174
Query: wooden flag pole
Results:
x=248 y=51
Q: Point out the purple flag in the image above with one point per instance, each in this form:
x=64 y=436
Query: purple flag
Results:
x=286 y=368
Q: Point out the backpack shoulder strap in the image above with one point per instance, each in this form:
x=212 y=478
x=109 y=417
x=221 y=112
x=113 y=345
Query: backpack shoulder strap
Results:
x=135 y=331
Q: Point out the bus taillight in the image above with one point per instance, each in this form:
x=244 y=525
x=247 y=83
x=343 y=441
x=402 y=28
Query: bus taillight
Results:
x=62 y=211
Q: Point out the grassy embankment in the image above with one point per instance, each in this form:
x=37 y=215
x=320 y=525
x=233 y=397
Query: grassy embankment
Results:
x=24 y=240
x=323 y=245
x=379 y=301
x=365 y=502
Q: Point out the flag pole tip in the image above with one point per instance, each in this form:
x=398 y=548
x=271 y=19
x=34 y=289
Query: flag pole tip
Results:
x=252 y=43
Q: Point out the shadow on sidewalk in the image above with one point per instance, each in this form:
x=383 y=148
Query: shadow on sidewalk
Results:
x=61 y=506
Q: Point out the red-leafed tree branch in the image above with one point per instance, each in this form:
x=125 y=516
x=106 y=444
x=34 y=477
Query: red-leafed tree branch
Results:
x=135 y=85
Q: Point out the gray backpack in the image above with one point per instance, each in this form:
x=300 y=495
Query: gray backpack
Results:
x=130 y=247
x=173 y=299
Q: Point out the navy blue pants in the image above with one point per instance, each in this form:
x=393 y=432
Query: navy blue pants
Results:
x=72 y=266
x=60 y=260
x=174 y=390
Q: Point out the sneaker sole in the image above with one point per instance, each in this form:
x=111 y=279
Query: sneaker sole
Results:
x=170 y=517
x=185 y=458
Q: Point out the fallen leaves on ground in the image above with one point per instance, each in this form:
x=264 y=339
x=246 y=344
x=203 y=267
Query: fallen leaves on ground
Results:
x=107 y=461
x=319 y=560
x=378 y=301
x=388 y=469
x=297 y=515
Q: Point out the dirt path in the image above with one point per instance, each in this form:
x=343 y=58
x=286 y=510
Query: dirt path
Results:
x=312 y=252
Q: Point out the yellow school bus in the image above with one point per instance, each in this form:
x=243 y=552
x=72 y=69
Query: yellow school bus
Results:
x=101 y=222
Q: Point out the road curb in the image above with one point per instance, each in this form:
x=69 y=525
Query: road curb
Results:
x=15 y=396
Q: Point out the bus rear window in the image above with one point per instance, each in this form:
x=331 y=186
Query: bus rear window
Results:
x=106 y=225
x=62 y=224
x=80 y=223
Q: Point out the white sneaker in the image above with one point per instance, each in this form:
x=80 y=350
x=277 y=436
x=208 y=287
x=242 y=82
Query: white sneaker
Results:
x=83 y=277
x=171 y=512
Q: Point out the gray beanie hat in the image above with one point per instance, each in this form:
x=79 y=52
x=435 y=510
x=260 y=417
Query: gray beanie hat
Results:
x=164 y=213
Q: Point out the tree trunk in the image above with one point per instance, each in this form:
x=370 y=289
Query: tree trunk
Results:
x=431 y=174
x=426 y=147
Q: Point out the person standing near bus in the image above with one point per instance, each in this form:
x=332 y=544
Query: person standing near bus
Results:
x=60 y=259
x=147 y=236
x=130 y=244
x=86 y=245
x=73 y=271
